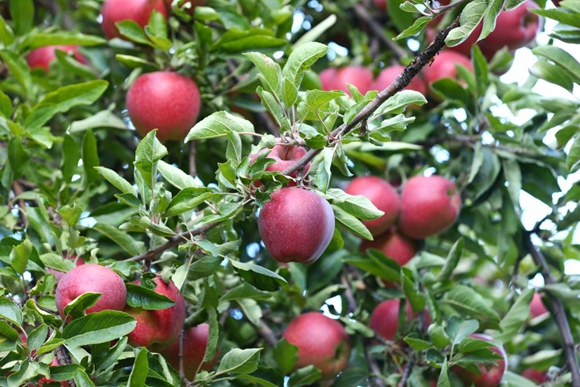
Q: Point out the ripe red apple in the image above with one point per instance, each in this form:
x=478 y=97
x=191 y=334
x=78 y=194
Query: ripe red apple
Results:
x=58 y=274
x=285 y=156
x=336 y=79
x=444 y=66
x=537 y=307
x=381 y=4
x=321 y=341
x=182 y=4
x=91 y=278
x=382 y=195
x=158 y=329
x=535 y=375
x=389 y=74
x=491 y=375
x=194 y=346
x=393 y=245
x=139 y=11
x=296 y=225
x=385 y=318
x=42 y=57
x=166 y=101
x=429 y=205
x=514 y=29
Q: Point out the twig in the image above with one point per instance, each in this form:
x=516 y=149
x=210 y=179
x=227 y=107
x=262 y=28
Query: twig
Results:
x=180 y=356
x=348 y=294
x=192 y=155
x=406 y=374
x=402 y=81
x=378 y=380
x=559 y=312
x=377 y=30
x=63 y=358
x=173 y=241
x=21 y=204
x=267 y=333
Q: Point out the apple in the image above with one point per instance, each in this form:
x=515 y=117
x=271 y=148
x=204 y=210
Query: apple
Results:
x=385 y=318
x=537 y=307
x=166 y=101
x=194 y=346
x=515 y=29
x=393 y=245
x=296 y=225
x=183 y=4
x=139 y=11
x=384 y=197
x=321 y=341
x=158 y=329
x=539 y=377
x=429 y=205
x=491 y=374
x=58 y=274
x=285 y=155
x=336 y=79
x=42 y=57
x=91 y=278
x=381 y=5
x=389 y=74
x=444 y=66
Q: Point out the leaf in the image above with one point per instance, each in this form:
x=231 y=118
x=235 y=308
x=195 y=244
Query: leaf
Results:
x=99 y=327
x=415 y=28
x=305 y=376
x=219 y=124
x=117 y=181
x=140 y=369
x=22 y=12
x=82 y=379
x=301 y=59
x=470 y=17
x=71 y=155
x=552 y=73
x=239 y=361
x=148 y=153
x=245 y=290
x=359 y=205
x=351 y=223
x=20 y=255
x=132 y=31
x=112 y=355
x=451 y=261
x=90 y=157
x=141 y=297
x=398 y=102
x=18 y=69
x=285 y=356
x=270 y=70
x=467 y=300
x=55 y=38
x=70 y=214
x=131 y=246
x=66 y=97
x=458 y=329
x=443 y=380
x=77 y=307
x=176 y=176
x=573 y=158
x=259 y=276
x=37 y=337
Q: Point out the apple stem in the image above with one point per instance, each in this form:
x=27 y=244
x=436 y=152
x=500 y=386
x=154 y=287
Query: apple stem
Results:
x=558 y=310
x=402 y=81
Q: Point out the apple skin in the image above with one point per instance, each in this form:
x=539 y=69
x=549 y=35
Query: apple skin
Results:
x=163 y=100
x=58 y=274
x=491 y=375
x=285 y=156
x=139 y=11
x=515 y=29
x=389 y=74
x=336 y=79
x=537 y=307
x=535 y=375
x=42 y=57
x=444 y=66
x=429 y=205
x=385 y=318
x=382 y=195
x=296 y=225
x=194 y=346
x=394 y=245
x=92 y=278
x=321 y=341
x=158 y=329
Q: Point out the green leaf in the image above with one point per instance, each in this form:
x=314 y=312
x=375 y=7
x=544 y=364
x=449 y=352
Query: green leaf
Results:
x=443 y=380
x=18 y=69
x=285 y=356
x=459 y=329
x=82 y=379
x=417 y=344
x=204 y=267
x=6 y=108
x=70 y=214
x=131 y=246
x=175 y=176
x=17 y=156
x=359 y=205
x=351 y=223
x=259 y=276
x=21 y=254
x=66 y=97
x=37 y=337
x=562 y=58
x=452 y=261
x=117 y=181
x=219 y=124
x=77 y=307
x=468 y=301
x=99 y=327
x=270 y=70
x=140 y=369
x=22 y=12
x=148 y=153
x=415 y=28
x=239 y=361
x=573 y=158
x=552 y=73
x=301 y=59
x=111 y=356
x=245 y=290
x=305 y=376
x=470 y=17
x=10 y=311
x=132 y=31
x=398 y=102
x=54 y=38
x=90 y=157
x=290 y=93
x=102 y=119
x=141 y=297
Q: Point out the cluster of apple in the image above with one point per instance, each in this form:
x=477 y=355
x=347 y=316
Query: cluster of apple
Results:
x=158 y=330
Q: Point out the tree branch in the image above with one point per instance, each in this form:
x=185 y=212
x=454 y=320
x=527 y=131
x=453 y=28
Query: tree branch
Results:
x=406 y=374
x=378 y=380
x=402 y=81
x=192 y=155
x=559 y=312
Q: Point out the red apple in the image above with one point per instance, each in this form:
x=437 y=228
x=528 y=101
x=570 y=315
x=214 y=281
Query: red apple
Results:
x=444 y=66
x=537 y=307
x=491 y=374
x=321 y=341
x=285 y=156
x=182 y=4
x=194 y=346
x=114 y=11
x=42 y=57
x=382 y=195
x=91 y=278
x=539 y=377
x=381 y=4
x=296 y=225
x=393 y=245
x=515 y=29
x=389 y=74
x=58 y=274
x=385 y=318
x=336 y=79
x=429 y=205
x=158 y=329
x=166 y=101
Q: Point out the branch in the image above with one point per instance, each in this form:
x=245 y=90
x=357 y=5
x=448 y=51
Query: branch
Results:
x=173 y=241
x=402 y=81
x=379 y=382
x=267 y=333
x=559 y=312
x=377 y=30
x=406 y=374
x=192 y=154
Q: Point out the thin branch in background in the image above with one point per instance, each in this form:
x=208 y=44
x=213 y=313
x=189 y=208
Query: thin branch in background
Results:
x=376 y=377
x=267 y=333
x=348 y=294
x=192 y=156
x=180 y=356
x=18 y=190
x=558 y=309
x=63 y=358
x=406 y=374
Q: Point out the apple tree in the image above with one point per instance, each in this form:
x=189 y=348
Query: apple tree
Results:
x=289 y=193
